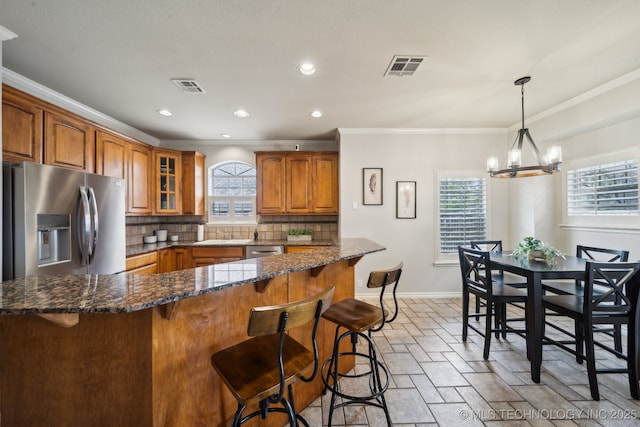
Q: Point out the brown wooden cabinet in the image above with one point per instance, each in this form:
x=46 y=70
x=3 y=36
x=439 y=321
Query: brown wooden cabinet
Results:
x=168 y=173
x=294 y=249
x=140 y=179
x=297 y=182
x=69 y=142
x=146 y=263
x=298 y=170
x=208 y=255
x=111 y=155
x=22 y=121
x=270 y=198
x=193 y=176
x=165 y=260
x=325 y=183
x=181 y=259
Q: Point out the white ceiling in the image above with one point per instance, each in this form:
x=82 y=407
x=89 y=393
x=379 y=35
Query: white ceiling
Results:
x=118 y=56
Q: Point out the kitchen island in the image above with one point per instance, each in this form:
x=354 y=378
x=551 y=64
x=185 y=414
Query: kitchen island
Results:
x=132 y=350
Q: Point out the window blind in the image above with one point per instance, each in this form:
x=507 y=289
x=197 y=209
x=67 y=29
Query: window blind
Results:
x=608 y=189
x=462 y=212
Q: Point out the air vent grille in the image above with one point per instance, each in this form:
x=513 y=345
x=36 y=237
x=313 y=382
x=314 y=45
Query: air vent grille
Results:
x=404 y=65
x=188 y=85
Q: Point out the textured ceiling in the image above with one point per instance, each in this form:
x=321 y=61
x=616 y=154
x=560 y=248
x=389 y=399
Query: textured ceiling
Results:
x=118 y=57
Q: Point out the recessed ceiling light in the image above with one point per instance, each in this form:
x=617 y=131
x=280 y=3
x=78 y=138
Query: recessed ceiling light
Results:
x=164 y=112
x=307 y=69
x=241 y=113
x=225 y=135
x=316 y=114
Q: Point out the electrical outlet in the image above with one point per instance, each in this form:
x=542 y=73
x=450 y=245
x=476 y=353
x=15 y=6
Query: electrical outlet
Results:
x=360 y=284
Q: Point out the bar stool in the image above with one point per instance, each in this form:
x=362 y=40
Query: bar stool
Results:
x=360 y=319
x=259 y=369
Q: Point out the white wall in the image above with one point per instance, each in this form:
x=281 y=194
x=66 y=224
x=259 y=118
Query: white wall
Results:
x=603 y=121
x=413 y=156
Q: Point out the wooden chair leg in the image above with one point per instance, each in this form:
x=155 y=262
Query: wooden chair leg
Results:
x=465 y=315
x=487 y=334
x=591 y=361
x=579 y=333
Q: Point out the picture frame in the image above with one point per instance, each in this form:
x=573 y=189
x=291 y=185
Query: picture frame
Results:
x=372 y=186
x=406 y=199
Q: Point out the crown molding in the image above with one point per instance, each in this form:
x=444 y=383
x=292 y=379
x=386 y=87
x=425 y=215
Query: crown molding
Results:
x=36 y=89
x=6 y=34
x=422 y=131
x=576 y=100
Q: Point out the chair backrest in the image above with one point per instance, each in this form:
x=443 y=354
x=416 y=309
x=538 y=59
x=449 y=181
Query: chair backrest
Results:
x=602 y=254
x=278 y=319
x=275 y=319
x=383 y=279
x=619 y=280
x=486 y=245
x=474 y=265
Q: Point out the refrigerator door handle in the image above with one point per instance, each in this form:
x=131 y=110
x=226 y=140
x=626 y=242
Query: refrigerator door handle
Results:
x=94 y=222
x=83 y=226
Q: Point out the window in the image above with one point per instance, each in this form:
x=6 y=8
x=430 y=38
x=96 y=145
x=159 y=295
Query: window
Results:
x=232 y=193
x=462 y=213
x=601 y=190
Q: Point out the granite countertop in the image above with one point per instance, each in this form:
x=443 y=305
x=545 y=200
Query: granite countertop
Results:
x=121 y=293
x=150 y=247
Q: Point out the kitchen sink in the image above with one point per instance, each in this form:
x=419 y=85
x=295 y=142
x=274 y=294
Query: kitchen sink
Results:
x=218 y=242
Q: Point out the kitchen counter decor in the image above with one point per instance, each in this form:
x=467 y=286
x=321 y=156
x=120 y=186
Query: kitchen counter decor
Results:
x=536 y=250
x=299 y=235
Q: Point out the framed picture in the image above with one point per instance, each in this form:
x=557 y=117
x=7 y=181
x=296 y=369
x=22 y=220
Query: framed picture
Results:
x=371 y=186
x=405 y=199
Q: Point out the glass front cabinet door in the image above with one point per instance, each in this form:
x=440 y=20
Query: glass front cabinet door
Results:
x=168 y=172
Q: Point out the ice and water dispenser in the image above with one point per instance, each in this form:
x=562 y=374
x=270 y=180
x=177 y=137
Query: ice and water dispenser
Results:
x=54 y=239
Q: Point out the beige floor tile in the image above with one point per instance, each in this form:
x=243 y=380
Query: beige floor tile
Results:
x=438 y=380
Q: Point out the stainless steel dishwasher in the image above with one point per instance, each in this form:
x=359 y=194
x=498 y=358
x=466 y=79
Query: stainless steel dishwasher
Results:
x=257 y=251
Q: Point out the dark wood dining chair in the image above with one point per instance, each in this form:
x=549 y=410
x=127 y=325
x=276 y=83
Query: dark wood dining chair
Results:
x=358 y=319
x=614 y=306
x=263 y=369
x=497 y=275
x=576 y=287
x=475 y=269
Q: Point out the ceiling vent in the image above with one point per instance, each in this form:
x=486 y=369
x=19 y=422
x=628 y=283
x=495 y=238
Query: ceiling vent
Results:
x=188 y=85
x=403 y=65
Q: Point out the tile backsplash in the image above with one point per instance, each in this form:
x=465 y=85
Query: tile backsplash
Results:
x=272 y=227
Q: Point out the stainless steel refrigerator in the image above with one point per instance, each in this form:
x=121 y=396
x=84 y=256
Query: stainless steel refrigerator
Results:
x=61 y=221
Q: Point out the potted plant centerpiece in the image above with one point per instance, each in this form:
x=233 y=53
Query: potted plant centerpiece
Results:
x=534 y=249
x=299 y=235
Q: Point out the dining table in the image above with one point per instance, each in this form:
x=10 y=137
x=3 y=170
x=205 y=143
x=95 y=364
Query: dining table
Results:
x=534 y=271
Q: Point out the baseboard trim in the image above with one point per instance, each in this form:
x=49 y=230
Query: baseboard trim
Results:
x=416 y=295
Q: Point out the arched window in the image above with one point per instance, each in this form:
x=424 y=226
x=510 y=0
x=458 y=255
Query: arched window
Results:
x=232 y=193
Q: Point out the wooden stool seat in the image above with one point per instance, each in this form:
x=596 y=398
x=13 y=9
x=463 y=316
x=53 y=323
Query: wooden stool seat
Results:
x=355 y=315
x=260 y=369
x=251 y=371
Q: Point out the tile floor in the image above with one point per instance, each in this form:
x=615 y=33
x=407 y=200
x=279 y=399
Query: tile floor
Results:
x=436 y=379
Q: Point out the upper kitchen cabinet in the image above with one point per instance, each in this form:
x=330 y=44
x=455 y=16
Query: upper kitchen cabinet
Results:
x=69 y=142
x=140 y=179
x=21 y=127
x=168 y=173
x=325 y=183
x=111 y=155
x=193 y=173
x=297 y=183
x=270 y=170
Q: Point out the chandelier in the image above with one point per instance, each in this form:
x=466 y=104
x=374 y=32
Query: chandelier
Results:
x=547 y=164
